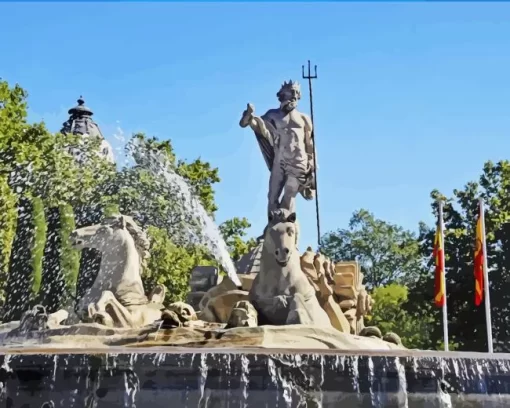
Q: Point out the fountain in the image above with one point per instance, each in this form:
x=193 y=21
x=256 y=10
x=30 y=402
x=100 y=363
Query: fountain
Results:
x=285 y=330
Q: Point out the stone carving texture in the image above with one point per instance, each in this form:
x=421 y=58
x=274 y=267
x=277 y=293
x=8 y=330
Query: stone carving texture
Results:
x=117 y=298
x=281 y=293
x=279 y=287
x=285 y=138
x=80 y=123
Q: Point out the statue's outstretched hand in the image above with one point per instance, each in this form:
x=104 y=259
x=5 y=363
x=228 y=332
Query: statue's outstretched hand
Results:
x=247 y=115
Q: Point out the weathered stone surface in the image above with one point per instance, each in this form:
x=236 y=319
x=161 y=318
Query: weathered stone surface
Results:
x=336 y=316
x=203 y=278
x=350 y=268
x=393 y=338
x=280 y=337
x=226 y=285
x=80 y=122
x=347 y=304
x=247 y=280
x=243 y=315
x=371 y=331
x=350 y=315
x=219 y=308
x=327 y=265
x=117 y=297
x=344 y=279
x=346 y=292
x=200 y=335
x=307 y=264
x=318 y=263
x=250 y=262
x=194 y=298
x=282 y=294
x=289 y=159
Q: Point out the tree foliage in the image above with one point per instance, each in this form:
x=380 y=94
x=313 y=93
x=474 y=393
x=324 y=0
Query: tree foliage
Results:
x=171 y=265
x=467 y=325
x=234 y=231
x=390 y=315
x=61 y=261
x=387 y=253
x=20 y=281
x=40 y=228
x=7 y=228
x=38 y=166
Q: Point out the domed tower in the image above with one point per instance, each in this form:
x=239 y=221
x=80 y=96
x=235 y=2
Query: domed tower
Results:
x=80 y=123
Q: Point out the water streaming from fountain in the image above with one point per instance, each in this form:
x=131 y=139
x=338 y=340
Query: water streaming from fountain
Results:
x=272 y=381
x=208 y=233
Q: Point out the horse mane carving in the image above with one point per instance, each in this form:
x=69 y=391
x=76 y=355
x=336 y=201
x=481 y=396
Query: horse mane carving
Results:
x=117 y=296
x=142 y=242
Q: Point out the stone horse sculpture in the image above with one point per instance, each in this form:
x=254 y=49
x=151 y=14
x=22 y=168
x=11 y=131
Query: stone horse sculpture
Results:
x=117 y=297
x=281 y=293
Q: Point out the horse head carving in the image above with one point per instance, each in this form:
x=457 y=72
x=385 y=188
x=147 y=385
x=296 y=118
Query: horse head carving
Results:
x=281 y=235
x=115 y=231
x=117 y=296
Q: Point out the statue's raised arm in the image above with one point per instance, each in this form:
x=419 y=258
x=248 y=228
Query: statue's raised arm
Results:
x=256 y=123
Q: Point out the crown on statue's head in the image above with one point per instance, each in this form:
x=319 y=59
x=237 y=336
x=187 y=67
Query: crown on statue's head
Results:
x=290 y=85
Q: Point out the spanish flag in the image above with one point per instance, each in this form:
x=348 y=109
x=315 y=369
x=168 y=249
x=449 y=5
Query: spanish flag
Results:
x=479 y=259
x=439 y=292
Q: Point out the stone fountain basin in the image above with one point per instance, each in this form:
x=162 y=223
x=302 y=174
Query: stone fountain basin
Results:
x=161 y=376
x=201 y=335
x=88 y=365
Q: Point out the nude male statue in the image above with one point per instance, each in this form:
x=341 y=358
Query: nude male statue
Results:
x=285 y=138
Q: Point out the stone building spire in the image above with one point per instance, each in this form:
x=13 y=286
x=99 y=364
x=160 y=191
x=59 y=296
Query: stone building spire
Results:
x=80 y=122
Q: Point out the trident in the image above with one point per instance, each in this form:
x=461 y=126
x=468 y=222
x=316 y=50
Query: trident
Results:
x=310 y=77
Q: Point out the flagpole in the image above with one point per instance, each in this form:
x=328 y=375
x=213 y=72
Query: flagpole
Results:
x=443 y=277
x=488 y=318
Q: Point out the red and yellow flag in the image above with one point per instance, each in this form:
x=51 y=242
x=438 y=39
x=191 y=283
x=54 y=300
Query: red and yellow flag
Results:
x=479 y=260
x=439 y=291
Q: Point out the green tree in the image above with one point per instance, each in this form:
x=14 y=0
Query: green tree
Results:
x=143 y=192
x=390 y=315
x=40 y=228
x=61 y=261
x=37 y=163
x=7 y=229
x=171 y=265
x=387 y=253
x=233 y=231
x=21 y=280
x=201 y=177
x=467 y=325
x=69 y=257
x=12 y=121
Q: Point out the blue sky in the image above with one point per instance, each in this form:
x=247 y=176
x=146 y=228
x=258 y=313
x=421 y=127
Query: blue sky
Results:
x=410 y=96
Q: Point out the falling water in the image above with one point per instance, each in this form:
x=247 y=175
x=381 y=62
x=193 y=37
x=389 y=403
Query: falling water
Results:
x=245 y=379
x=271 y=381
x=374 y=397
x=202 y=381
x=210 y=235
x=403 y=401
